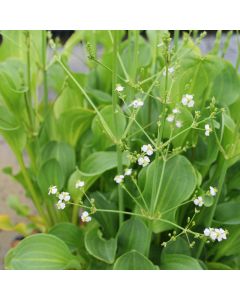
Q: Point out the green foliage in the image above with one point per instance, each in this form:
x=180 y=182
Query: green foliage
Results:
x=79 y=132
x=179 y=262
x=100 y=248
x=41 y=252
x=133 y=260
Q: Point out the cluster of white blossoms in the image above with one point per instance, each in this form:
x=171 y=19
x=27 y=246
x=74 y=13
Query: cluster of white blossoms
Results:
x=187 y=100
x=85 y=217
x=214 y=234
x=198 y=201
x=144 y=160
x=136 y=103
x=172 y=118
x=213 y=191
x=208 y=129
x=63 y=197
x=119 y=178
x=119 y=88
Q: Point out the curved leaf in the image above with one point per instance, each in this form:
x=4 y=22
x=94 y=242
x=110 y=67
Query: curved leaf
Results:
x=100 y=248
x=179 y=262
x=41 y=252
x=228 y=213
x=133 y=260
x=50 y=174
x=133 y=235
x=178 y=184
x=70 y=234
x=101 y=138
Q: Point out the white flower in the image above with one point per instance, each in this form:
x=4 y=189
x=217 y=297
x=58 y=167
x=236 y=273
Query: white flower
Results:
x=170 y=118
x=119 y=88
x=148 y=149
x=213 y=191
x=215 y=234
x=208 y=129
x=64 y=196
x=85 y=217
x=118 y=178
x=178 y=124
x=198 y=201
x=79 y=184
x=176 y=111
x=52 y=190
x=187 y=100
x=128 y=172
x=170 y=70
x=143 y=161
x=60 y=205
x=207 y=231
x=220 y=234
x=137 y=103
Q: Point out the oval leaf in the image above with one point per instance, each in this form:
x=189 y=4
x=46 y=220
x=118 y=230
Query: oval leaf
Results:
x=100 y=248
x=133 y=260
x=41 y=252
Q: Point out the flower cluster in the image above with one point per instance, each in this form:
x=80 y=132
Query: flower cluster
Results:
x=199 y=201
x=187 y=100
x=136 y=103
x=172 y=118
x=208 y=130
x=119 y=88
x=119 y=178
x=63 y=197
x=144 y=160
x=214 y=234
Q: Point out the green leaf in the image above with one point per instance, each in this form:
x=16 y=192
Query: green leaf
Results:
x=133 y=235
x=217 y=266
x=50 y=174
x=180 y=246
x=100 y=96
x=101 y=139
x=104 y=250
x=73 y=123
x=194 y=69
x=226 y=85
x=179 y=262
x=228 y=213
x=70 y=234
x=62 y=152
x=94 y=166
x=11 y=130
x=69 y=99
x=228 y=247
x=133 y=260
x=178 y=183
x=99 y=162
x=108 y=222
x=41 y=252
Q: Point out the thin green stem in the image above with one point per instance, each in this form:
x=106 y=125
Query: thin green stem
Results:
x=115 y=111
x=45 y=83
